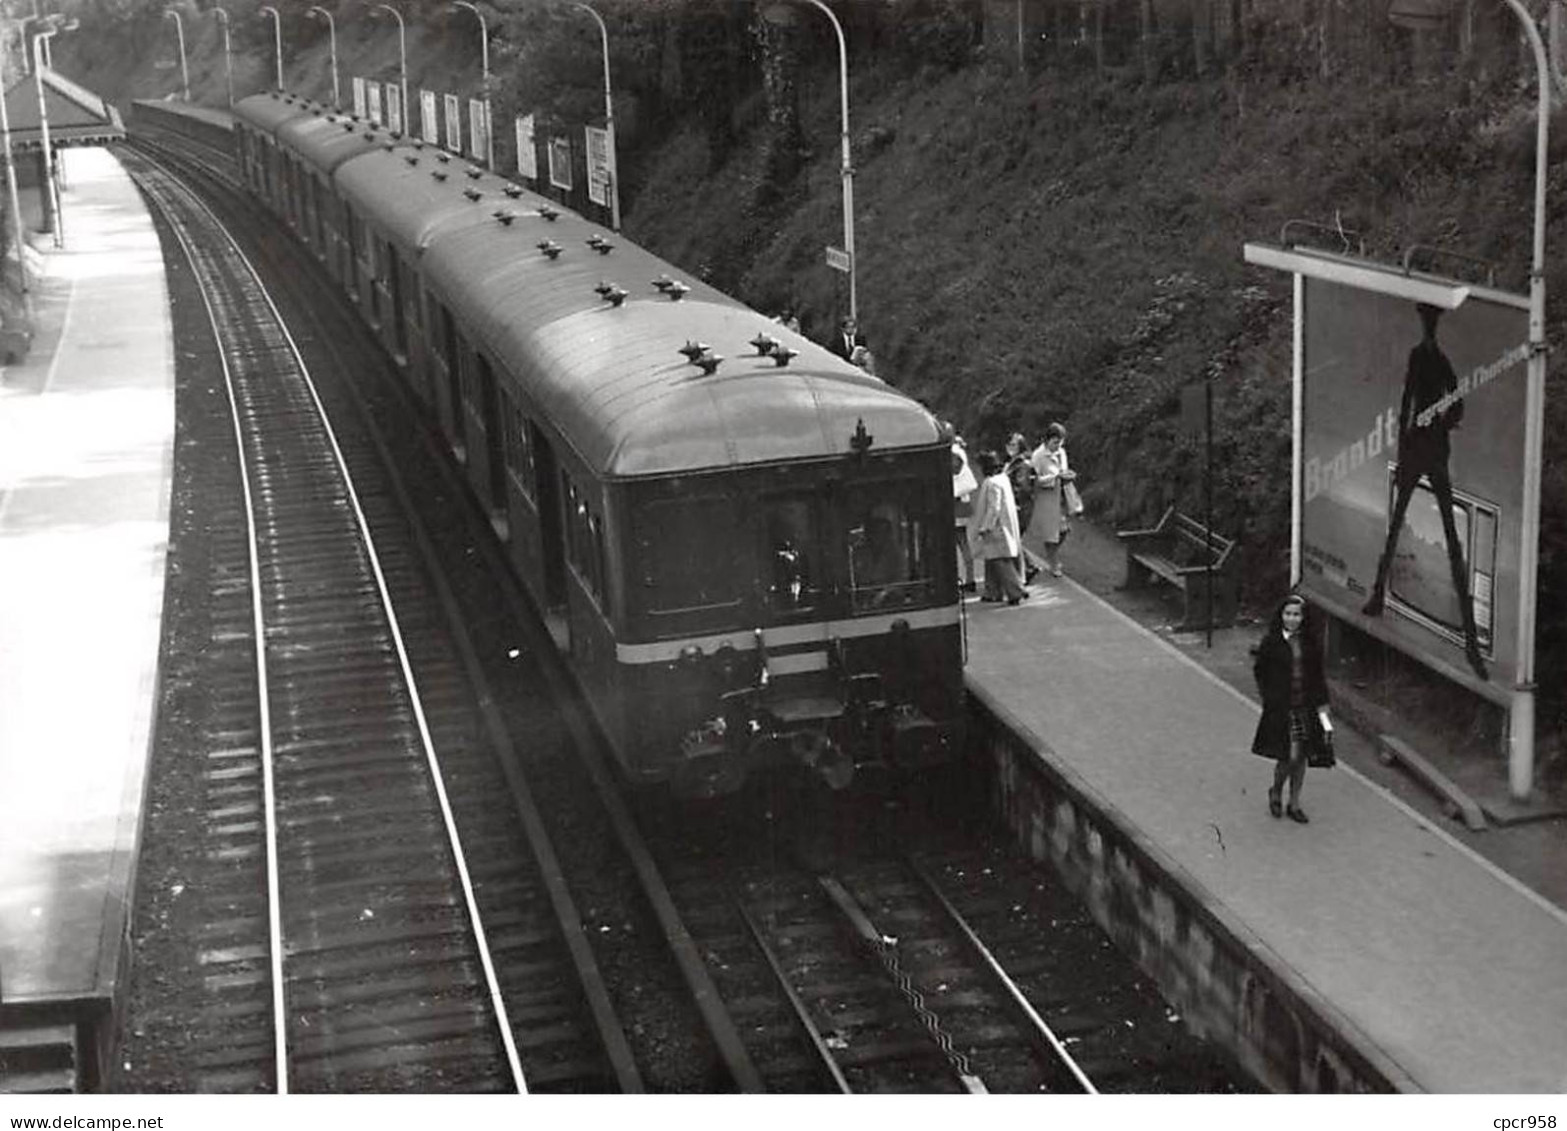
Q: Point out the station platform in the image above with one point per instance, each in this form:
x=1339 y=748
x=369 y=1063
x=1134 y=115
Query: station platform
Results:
x=86 y=448
x=1440 y=968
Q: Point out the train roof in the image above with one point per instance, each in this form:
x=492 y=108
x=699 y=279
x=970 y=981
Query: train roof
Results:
x=612 y=378
x=326 y=140
x=268 y=111
x=416 y=191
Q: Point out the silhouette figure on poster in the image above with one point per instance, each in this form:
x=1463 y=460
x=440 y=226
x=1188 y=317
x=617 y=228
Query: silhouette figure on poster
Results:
x=1423 y=451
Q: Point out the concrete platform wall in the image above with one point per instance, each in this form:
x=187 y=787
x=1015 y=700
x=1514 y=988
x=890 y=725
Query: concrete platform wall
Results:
x=1209 y=970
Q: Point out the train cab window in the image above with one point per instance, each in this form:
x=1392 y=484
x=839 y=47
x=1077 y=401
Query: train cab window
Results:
x=688 y=563
x=791 y=555
x=891 y=553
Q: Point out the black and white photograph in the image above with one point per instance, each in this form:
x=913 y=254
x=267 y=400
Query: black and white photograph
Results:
x=556 y=549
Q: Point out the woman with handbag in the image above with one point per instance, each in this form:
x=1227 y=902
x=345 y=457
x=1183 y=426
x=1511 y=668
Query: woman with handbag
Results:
x=996 y=531
x=1052 y=479
x=1295 y=729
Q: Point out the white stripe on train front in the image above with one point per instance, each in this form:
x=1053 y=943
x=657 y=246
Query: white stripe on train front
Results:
x=786 y=636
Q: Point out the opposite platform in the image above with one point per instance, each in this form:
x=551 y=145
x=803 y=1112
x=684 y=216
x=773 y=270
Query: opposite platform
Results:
x=86 y=443
x=1434 y=963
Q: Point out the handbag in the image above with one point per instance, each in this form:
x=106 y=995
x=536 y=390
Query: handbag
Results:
x=1069 y=496
x=1321 y=755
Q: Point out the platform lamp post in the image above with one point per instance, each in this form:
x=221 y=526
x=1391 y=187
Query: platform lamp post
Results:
x=228 y=54
x=1521 y=716
x=402 y=53
x=609 y=120
x=781 y=14
x=484 y=67
x=15 y=201
x=277 y=40
x=331 y=33
x=179 y=31
x=52 y=219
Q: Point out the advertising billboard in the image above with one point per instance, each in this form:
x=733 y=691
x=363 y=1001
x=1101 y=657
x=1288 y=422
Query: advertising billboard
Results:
x=429 y=128
x=560 y=162
x=527 y=156
x=597 y=142
x=478 y=129
x=1411 y=485
x=453 y=123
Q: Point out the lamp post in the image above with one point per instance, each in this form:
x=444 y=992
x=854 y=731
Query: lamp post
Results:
x=277 y=40
x=10 y=180
x=52 y=219
x=847 y=164
x=1521 y=716
x=179 y=31
x=402 y=52
x=609 y=121
x=331 y=32
x=228 y=55
x=484 y=65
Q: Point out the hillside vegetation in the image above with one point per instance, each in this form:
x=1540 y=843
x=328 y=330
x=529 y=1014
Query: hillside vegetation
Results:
x=1060 y=241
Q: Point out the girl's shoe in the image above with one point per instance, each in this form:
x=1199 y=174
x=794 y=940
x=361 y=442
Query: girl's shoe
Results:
x=1275 y=806
x=1298 y=815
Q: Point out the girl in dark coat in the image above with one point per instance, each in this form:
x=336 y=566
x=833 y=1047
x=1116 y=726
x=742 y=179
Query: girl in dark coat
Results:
x=1294 y=694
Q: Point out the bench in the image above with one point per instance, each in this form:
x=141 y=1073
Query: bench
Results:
x=1179 y=550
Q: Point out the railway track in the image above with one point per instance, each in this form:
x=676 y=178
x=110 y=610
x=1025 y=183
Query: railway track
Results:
x=354 y=938
x=743 y=932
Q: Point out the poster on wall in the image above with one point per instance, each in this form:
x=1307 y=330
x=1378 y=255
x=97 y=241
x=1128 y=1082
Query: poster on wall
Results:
x=478 y=130
x=373 y=101
x=359 y=97
x=394 y=109
x=1412 y=470
x=527 y=156
x=598 y=165
x=429 y=126
x=560 y=162
x=453 y=123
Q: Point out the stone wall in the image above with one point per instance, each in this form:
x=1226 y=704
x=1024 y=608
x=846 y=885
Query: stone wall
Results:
x=1216 y=973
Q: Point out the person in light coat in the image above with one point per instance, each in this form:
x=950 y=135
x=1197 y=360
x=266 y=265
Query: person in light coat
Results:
x=995 y=531
x=1051 y=473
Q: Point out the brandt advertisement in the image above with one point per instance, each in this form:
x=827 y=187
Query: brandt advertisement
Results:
x=1412 y=471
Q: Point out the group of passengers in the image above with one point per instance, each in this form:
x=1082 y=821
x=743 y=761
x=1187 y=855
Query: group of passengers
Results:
x=1029 y=492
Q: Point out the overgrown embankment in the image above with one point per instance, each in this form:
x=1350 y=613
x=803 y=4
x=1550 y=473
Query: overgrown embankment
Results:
x=1069 y=247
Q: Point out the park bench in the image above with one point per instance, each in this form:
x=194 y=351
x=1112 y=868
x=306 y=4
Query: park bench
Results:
x=1180 y=550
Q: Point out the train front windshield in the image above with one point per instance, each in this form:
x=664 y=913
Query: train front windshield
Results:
x=891 y=551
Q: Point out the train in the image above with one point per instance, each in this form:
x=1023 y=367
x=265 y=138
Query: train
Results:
x=741 y=544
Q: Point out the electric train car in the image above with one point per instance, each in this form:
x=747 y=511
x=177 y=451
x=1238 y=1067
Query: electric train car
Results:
x=741 y=543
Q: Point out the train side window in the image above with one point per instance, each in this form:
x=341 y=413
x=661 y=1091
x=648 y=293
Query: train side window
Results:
x=584 y=541
x=689 y=561
x=891 y=553
x=519 y=452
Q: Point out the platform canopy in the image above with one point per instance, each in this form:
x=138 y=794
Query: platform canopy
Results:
x=77 y=116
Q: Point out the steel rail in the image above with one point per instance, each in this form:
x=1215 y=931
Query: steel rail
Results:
x=801 y=1013
x=1037 y=1023
x=263 y=693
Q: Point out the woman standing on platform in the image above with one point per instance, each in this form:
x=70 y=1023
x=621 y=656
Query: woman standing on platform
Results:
x=994 y=527
x=1294 y=729
x=1051 y=475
